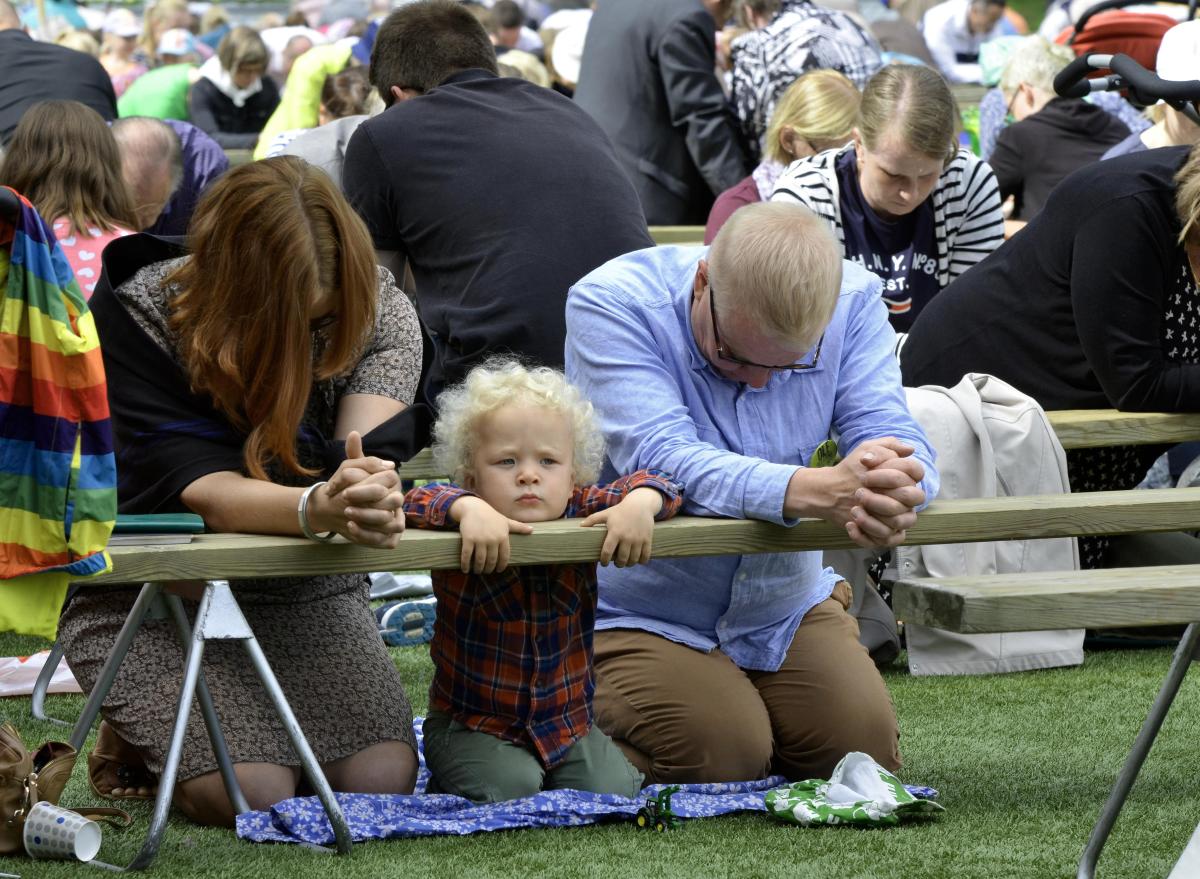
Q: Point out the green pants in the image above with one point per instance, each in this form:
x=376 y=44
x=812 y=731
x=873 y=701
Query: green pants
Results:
x=487 y=769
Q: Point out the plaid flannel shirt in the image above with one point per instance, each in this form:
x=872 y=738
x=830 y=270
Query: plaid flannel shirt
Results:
x=512 y=651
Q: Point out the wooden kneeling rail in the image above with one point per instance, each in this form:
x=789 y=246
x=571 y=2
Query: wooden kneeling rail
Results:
x=232 y=556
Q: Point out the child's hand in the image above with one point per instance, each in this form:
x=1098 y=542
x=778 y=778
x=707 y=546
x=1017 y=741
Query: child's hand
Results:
x=484 y=535
x=630 y=527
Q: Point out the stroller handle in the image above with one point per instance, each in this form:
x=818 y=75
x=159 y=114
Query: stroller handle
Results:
x=1144 y=87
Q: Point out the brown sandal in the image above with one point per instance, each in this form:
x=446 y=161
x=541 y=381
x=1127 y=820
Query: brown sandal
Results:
x=116 y=770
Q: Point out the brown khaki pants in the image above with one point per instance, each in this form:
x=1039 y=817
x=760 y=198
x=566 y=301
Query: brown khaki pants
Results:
x=681 y=715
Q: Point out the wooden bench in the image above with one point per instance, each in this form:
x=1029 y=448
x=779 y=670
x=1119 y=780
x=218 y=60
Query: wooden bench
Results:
x=215 y=557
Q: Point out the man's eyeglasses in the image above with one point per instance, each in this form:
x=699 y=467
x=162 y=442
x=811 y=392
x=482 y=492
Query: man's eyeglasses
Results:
x=725 y=354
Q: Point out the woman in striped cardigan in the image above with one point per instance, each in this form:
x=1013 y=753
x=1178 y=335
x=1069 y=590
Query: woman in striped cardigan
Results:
x=903 y=200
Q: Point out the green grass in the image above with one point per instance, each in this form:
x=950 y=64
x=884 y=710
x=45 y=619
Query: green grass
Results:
x=1023 y=763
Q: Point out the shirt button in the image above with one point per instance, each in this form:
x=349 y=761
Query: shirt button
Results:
x=741 y=578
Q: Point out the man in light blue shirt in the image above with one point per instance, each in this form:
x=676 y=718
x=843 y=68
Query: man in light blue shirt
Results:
x=728 y=367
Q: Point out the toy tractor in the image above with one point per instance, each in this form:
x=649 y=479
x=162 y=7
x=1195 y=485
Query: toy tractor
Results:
x=657 y=812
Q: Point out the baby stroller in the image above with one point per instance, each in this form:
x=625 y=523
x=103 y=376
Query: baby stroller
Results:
x=1109 y=28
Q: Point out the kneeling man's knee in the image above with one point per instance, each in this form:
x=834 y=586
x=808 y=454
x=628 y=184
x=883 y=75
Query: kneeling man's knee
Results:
x=718 y=744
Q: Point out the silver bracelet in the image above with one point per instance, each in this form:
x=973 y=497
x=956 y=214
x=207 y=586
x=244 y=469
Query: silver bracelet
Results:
x=302 y=514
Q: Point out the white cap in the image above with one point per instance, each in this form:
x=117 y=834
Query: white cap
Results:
x=121 y=22
x=1179 y=53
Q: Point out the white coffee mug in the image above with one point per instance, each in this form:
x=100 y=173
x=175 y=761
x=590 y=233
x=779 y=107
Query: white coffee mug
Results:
x=51 y=832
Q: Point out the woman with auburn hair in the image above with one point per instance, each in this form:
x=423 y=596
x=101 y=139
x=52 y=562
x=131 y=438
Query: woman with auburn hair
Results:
x=242 y=377
x=816 y=113
x=903 y=199
x=63 y=158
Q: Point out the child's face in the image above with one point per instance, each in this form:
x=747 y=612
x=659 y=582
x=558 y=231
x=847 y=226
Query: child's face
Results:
x=523 y=463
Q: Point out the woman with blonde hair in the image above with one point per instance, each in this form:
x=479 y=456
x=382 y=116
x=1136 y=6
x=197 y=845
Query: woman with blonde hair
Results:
x=163 y=16
x=904 y=200
x=242 y=377
x=816 y=113
x=233 y=98
x=64 y=159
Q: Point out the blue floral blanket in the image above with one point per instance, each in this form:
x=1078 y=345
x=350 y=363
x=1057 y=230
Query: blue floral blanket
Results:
x=379 y=816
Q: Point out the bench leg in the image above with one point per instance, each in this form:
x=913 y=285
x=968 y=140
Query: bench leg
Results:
x=1184 y=654
x=308 y=760
x=166 y=781
x=215 y=737
x=41 y=686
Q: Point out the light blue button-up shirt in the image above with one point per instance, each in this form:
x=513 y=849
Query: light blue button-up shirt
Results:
x=661 y=404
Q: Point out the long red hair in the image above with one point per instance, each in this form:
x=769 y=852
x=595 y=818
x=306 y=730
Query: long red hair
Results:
x=269 y=241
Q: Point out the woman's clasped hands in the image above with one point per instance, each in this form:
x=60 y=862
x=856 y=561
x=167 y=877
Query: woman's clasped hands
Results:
x=362 y=501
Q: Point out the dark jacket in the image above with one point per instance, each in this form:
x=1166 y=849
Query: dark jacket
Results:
x=495 y=231
x=1032 y=156
x=1084 y=309
x=31 y=71
x=647 y=78
x=231 y=126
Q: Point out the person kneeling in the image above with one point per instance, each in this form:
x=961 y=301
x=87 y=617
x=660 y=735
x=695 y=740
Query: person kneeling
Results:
x=510 y=707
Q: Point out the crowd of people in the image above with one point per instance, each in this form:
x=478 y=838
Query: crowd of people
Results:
x=444 y=241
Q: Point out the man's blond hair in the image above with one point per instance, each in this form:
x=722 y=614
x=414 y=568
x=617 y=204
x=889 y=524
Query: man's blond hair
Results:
x=780 y=265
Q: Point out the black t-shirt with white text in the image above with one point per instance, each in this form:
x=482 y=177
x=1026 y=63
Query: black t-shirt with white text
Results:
x=903 y=252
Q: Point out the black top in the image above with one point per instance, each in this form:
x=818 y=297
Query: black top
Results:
x=1091 y=306
x=231 y=126
x=31 y=71
x=903 y=251
x=1034 y=155
x=502 y=194
x=647 y=77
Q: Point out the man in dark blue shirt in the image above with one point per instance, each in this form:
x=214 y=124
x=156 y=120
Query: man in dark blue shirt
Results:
x=31 y=71
x=498 y=193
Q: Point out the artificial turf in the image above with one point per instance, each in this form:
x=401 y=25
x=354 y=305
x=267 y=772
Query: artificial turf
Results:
x=1023 y=763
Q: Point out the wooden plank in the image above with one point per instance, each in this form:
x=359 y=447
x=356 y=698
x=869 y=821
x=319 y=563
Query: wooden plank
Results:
x=677 y=234
x=1054 y=600
x=1092 y=428
x=954 y=521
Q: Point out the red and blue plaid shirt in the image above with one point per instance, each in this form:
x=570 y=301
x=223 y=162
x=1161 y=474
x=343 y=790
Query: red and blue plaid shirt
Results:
x=512 y=651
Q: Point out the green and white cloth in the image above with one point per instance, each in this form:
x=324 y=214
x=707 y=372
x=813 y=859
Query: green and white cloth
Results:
x=859 y=792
